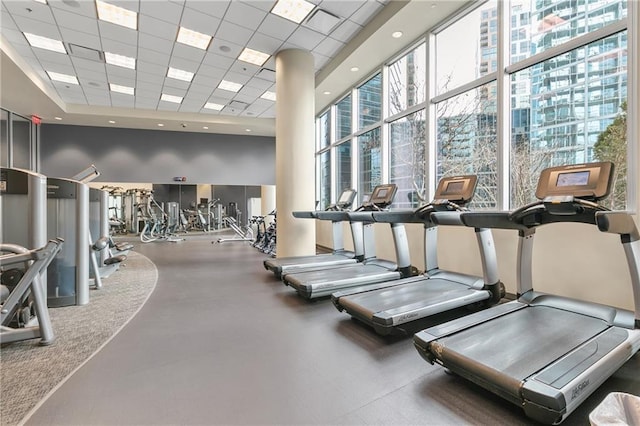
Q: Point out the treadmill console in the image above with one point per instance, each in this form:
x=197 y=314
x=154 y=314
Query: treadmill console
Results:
x=457 y=189
x=591 y=181
x=346 y=199
x=382 y=196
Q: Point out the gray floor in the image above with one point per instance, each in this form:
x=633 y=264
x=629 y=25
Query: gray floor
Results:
x=221 y=341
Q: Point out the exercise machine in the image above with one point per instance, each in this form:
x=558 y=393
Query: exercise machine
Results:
x=339 y=256
x=371 y=270
x=23 y=299
x=543 y=352
x=396 y=305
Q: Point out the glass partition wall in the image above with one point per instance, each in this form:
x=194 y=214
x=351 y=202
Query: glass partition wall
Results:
x=511 y=88
x=19 y=139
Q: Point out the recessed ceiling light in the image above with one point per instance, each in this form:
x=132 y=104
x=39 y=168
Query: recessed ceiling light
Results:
x=112 y=122
x=253 y=56
x=354 y=69
x=64 y=78
x=225 y=49
x=57 y=118
x=117 y=15
x=171 y=98
x=433 y=6
x=230 y=86
x=42 y=1
x=269 y=96
x=326 y=92
x=179 y=74
x=248 y=130
x=193 y=38
x=293 y=10
x=211 y=105
x=160 y=125
x=120 y=60
x=121 y=89
x=205 y=127
x=397 y=34
x=45 y=43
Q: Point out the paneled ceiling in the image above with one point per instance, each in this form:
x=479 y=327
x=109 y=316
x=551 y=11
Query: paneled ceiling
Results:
x=233 y=26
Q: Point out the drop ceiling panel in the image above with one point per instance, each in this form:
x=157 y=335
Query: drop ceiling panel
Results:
x=132 y=5
x=146 y=103
x=346 y=31
x=204 y=24
x=259 y=83
x=31 y=10
x=153 y=57
x=176 y=84
x=264 y=43
x=164 y=11
x=149 y=93
x=122 y=101
x=184 y=64
x=187 y=52
x=198 y=95
x=154 y=79
x=218 y=61
x=208 y=75
x=117 y=33
x=187 y=106
x=327 y=46
x=40 y=28
x=269 y=113
x=231 y=32
x=157 y=44
x=76 y=22
x=85 y=8
x=244 y=15
x=81 y=39
x=99 y=102
x=342 y=8
x=7 y=20
x=251 y=91
x=173 y=91
x=88 y=75
x=119 y=48
x=95 y=91
x=237 y=78
x=260 y=4
x=52 y=57
x=115 y=71
x=277 y=27
x=366 y=12
x=158 y=28
x=212 y=8
x=58 y=67
x=319 y=60
x=305 y=38
x=222 y=96
x=16 y=38
x=168 y=106
x=244 y=68
x=153 y=69
x=244 y=98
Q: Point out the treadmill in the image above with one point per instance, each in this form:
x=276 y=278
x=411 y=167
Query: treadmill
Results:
x=391 y=307
x=544 y=352
x=339 y=256
x=371 y=270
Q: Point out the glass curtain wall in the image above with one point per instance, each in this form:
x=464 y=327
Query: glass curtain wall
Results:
x=18 y=141
x=555 y=77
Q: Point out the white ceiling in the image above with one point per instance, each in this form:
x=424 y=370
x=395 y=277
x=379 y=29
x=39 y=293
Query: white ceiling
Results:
x=233 y=24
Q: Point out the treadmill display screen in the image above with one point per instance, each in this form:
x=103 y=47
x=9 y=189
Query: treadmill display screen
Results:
x=346 y=197
x=454 y=187
x=382 y=193
x=573 y=179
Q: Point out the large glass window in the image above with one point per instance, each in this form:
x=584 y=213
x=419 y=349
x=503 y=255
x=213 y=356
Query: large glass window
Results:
x=574 y=113
x=407 y=159
x=407 y=80
x=545 y=24
x=324 y=125
x=467 y=49
x=370 y=102
x=343 y=118
x=467 y=140
x=21 y=142
x=325 y=179
x=370 y=162
x=343 y=168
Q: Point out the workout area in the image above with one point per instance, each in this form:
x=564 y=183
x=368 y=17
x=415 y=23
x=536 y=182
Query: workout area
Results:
x=278 y=212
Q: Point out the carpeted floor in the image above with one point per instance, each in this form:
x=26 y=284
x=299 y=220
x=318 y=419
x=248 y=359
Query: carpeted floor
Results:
x=29 y=371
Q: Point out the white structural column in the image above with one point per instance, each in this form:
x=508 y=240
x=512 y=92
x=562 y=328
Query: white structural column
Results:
x=295 y=142
x=267 y=201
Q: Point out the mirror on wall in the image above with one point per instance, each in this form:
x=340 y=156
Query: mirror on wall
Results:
x=192 y=207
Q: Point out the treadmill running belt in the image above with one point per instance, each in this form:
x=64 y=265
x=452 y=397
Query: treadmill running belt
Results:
x=422 y=292
x=523 y=342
